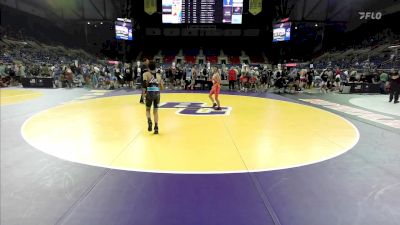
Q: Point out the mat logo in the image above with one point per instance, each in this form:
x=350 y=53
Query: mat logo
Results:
x=364 y=114
x=370 y=15
x=195 y=109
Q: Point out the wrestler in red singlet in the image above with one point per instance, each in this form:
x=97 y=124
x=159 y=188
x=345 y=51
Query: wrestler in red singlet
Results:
x=216 y=79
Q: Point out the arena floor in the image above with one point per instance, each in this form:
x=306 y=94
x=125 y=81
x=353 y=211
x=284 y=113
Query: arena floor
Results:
x=78 y=156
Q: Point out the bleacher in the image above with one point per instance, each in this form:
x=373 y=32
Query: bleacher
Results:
x=212 y=59
x=191 y=51
x=233 y=56
x=39 y=53
x=169 y=51
x=149 y=54
x=234 y=60
x=359 y=59
x=213 y=55
x=190 y=59
x=169 y=59
x=211 y=52
x=255 y=56
x=371 y=52
x=232 y=52
x=169 y=55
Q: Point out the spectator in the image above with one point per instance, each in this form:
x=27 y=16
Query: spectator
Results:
x=232 y=78
x=324 y=82
x=193 y=79
x=310 y=77
x=178 y=77
x=119 y=75
x=244 y=82
x=5 y=81
x=253 y=82
x=280 y=82
x=188 y=77
x=128 y=75
x=337 y=82
x=69 y=78
x=22 y=72
x=383 y=79
x=144 y=69
x=303 y=78
x=2 y=69
x=95 y=76
x=44 y=72
x=57 y=75
x=394 y=88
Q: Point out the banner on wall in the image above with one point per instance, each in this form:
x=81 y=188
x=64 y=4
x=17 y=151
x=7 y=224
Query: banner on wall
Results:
x=255 y=6
x=150 y=6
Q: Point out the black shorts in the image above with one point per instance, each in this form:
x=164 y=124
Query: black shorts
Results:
x=128 y=78
x=264 y=80
x=152 y=98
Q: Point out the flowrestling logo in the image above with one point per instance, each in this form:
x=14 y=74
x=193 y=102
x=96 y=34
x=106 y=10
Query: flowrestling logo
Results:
x=195 y=109
x=370 y=15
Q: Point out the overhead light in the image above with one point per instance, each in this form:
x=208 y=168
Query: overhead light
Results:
x=101 y=23
x=88 y=23
x=295 y=28
x=316 y=25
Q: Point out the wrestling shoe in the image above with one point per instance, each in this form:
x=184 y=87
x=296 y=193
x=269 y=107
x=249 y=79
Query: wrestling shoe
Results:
x=149 y=128
x=214 y=105
x=217 y=108
x=155 y=129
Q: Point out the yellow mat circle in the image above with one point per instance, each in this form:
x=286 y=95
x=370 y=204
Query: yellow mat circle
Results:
x=14 y=96
x=254 y=134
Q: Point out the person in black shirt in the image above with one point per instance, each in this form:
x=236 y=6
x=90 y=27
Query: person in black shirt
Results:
x=169 y=78
x=178 y=77
x=279 y=83
x=173 y=76
x=264 y=79
x=128 y=75
x=324 y=83
x=310 y=77
x=394 y=88
x=145 y=66
x=297 y=82
x=118 y=74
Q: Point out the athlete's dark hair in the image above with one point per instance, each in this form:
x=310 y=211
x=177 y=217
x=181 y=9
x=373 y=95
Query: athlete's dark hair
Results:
x=152 y=65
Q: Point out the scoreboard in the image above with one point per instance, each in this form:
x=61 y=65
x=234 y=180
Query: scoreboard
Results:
x=202 y=11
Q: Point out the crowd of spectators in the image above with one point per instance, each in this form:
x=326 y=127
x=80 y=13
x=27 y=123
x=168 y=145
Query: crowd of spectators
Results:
x=372 y=52
x=256 y=78
x=76 y=68
x=330 y=80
